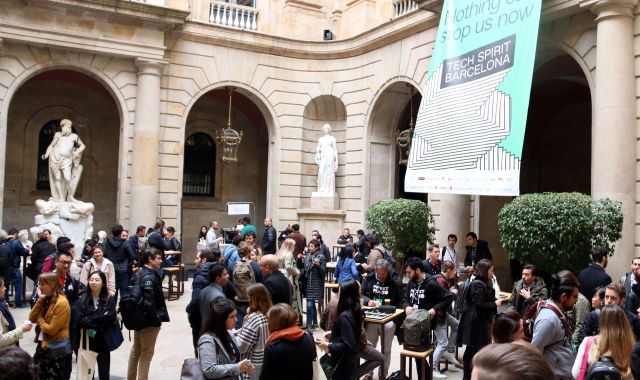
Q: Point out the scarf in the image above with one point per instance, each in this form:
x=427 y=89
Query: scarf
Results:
x=7 y=315
x=103 y=266
x=291 y=333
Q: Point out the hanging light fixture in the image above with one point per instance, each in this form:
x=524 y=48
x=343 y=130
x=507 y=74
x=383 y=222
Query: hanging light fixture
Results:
x=228 y=138
x=403 y=138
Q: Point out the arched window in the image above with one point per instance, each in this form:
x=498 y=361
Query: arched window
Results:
x=199 y=165
x=44 y=140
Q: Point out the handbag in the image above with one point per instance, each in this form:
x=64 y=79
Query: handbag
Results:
x=191 y=370
x=86 y=360
x=113 y=335
x=327 y=366
x=585 y=359
x=318 y=372
x=59 y=348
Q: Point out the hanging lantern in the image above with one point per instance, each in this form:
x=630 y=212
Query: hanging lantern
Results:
x=228 y=138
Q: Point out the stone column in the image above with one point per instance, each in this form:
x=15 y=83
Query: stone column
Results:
x=613 y=156
x=146 y=142
x=452 y=217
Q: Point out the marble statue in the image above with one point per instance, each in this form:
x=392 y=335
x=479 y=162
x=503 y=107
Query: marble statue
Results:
x=64 y=154
x=327 y=160
x=63 y=214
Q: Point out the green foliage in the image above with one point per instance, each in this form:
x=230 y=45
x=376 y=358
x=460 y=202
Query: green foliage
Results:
x=402 y=225
x=557 y=230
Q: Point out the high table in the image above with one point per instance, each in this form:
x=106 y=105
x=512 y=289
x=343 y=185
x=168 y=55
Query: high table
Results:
x=382 y=322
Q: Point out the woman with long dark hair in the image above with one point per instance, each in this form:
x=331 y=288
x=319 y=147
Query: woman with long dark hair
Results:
x=475 y=323
x=507 y=327
x=255 y=329
x=217 y=349
x=346 y=266
x=95 y=312
x=346 y=331
x=51 y=313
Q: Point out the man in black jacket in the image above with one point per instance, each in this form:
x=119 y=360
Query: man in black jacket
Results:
x=144 y=340
x=424 y=292
x=379 y=287
x=594 y=276
x=276 y=283
x=40 y=250
x=614 y=295
x=269 y=238
x=120 y=253
x=204 y=260
x=630 y=281
x=476 y=251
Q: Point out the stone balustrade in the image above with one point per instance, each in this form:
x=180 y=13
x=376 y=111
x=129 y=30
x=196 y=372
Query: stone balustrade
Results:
x=402 y=7
x=233 y=15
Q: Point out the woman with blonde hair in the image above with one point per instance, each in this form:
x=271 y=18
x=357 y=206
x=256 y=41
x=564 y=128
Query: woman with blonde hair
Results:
x=615 y=340
x=51 y=314
x=255 y=328
x=287 y=264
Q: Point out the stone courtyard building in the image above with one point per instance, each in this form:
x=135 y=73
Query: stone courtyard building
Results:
x=147 y=84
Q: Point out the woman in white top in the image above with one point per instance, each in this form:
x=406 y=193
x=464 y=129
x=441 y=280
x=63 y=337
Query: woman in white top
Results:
x=98 y=263
x=615 y=340
x=9 y=332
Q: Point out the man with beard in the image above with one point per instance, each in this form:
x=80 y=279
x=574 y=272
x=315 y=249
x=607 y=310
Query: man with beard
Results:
x=424 y=292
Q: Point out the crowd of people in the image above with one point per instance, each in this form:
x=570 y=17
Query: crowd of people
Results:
x=249 y=299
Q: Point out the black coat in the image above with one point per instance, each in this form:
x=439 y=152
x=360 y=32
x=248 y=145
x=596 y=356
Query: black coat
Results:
x=88 y=317
x=279 y=287
x=345 y=338
x=200 y=281
x=427 y=295
x=591 y=325
x=475 y=322
x=154 y=306
x=289 y=360
x=120 y=253
x=40 y=250
x=269 y=241
x=481 y=251
x=591 y=278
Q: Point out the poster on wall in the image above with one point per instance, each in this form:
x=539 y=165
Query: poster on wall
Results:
x=471 y=122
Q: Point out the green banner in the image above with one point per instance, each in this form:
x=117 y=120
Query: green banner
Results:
x=471 y=123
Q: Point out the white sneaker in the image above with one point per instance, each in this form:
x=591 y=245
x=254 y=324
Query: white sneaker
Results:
x=451 y=358
x=439 y=375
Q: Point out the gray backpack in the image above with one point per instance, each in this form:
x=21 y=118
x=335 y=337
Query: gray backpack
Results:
x=417 y=331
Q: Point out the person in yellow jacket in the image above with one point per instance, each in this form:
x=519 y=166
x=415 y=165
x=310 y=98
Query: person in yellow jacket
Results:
x=51 y=314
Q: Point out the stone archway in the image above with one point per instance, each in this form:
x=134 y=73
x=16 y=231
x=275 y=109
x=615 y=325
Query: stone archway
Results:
x=390 y=113
x=53 y=95
x=244 y=181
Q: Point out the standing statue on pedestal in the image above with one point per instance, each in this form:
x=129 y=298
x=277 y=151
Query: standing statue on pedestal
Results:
x=327 y=160
x=64 y=154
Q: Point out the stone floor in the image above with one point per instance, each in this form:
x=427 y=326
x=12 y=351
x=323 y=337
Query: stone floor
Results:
x=174 y=345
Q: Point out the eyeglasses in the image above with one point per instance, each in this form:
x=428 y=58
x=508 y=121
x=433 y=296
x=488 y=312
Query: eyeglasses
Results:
x=65 y=262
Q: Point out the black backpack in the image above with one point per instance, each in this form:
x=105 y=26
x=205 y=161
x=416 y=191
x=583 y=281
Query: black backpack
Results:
x=6 y=256
x=462 y=299
x=132 y=306
x=603 y=369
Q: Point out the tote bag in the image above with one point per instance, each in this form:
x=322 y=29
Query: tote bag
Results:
x=86 y=360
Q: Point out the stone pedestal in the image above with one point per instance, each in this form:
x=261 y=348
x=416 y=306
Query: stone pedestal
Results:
x=71 y=219
x=325 y=201
x=324 y=216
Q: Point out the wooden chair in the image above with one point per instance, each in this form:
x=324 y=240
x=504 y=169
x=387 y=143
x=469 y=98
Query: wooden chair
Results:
x=425 y=356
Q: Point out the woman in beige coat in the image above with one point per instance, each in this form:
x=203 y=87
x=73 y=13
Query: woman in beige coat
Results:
x=98 y=263
x=287 y=264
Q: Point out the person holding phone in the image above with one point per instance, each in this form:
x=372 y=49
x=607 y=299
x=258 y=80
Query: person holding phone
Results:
x=217 y=349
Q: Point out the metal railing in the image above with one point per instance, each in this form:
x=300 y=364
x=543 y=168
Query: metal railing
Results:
x=233 y=15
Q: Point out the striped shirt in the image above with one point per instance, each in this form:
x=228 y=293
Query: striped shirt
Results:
x=251 y=341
